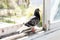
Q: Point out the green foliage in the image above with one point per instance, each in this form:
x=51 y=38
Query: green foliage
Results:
x=40 y=23
x=9 y=21
x=2 y=19
x=4 y=4
x=1 y=6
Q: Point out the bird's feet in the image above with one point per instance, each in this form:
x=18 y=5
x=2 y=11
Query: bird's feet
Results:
x=33 y=30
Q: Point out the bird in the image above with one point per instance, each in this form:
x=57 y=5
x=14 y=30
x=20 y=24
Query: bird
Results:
x=35 y=20
x=32 y=22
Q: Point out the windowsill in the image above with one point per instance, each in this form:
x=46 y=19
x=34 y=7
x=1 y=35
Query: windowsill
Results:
x=4 y=25
x=42 y=33
x=19 y=35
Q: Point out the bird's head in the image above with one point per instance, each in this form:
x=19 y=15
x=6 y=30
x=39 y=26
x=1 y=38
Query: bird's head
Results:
x=37 y=10
x=36 y=13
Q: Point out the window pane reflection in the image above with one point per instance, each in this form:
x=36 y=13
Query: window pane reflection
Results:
x=57 y=16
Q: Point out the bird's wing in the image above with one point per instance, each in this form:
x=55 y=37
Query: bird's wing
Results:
x=33 y=21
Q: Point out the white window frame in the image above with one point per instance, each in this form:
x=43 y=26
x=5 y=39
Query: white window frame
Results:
x=47 y=17
x=53 y=23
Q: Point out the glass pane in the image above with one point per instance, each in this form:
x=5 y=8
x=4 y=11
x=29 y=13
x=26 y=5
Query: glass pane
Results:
x=57 y=16
x=55 y=10
x=11 y=11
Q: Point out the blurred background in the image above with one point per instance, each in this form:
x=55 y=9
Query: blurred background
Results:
x=19 y=11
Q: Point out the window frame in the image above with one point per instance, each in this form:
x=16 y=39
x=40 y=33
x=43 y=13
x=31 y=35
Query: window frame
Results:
x=50 y=23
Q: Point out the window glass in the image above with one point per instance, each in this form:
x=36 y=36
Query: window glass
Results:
x=55 y=10
x=19 y=11
x=57 y=16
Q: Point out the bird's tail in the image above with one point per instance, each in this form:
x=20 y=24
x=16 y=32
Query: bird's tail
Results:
x=23 y=28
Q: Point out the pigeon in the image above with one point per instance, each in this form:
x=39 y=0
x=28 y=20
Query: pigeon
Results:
x=32 y=22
